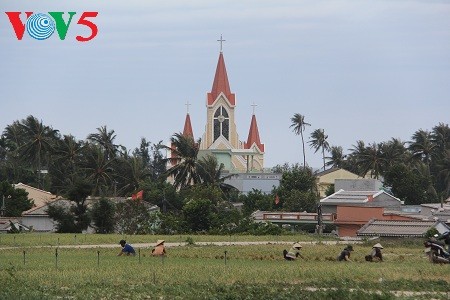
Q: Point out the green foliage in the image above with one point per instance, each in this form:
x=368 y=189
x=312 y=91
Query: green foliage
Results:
x=431 y=232
x=198 y=214
x=265 y=228
x=72 y=217
x=256 y=200
x=408 y=185
x=210 y=192
x=330 y=190
x=133 y=217
x=296 y=200
x=298 y=190
x=171 y=223
x=64 y=218
x=16 y=200
x=190 y=241
x=103 y=212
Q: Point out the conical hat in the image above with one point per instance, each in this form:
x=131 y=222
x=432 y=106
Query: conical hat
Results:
x=159 y=242
x=377 y=245
x=297 y=245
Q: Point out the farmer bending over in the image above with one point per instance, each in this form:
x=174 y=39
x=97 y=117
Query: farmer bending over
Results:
x=345 y=254
x=159 y=248
x=126 y=249
x=293 y=253
x=375 y=255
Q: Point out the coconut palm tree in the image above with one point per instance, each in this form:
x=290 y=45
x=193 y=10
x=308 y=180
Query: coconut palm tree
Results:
x=298 y=126
x=319 y=141
x=105 y=139
x=211 y=173
x=98 y=169
x=38 y=143
x=394 y=151
x=337 y=158
x=183 y=158
x=422 y=147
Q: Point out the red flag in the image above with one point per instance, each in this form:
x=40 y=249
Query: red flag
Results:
x=138 y=195
x=277 y=200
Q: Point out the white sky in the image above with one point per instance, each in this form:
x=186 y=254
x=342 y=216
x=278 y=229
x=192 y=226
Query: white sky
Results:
x=361 y=70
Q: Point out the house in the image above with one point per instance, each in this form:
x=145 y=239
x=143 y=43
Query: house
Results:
x=6 y=225
x=327 y=178
x=37 y=218
x=39 y=197
x=246 y=182
x=366 y=198
x=386 y=228
x=350 y=219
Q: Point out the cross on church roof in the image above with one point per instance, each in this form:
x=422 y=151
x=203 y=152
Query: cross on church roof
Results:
x=254 y=106
x=221 y=41
x=187 y=106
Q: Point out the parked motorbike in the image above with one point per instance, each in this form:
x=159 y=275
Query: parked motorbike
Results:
x=436 y=251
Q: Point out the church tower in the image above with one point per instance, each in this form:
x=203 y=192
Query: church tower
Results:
x=221 y=138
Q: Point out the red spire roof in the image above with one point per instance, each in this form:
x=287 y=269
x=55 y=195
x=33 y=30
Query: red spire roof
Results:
x=253 y=136
x=221 y=83
x=187 y=131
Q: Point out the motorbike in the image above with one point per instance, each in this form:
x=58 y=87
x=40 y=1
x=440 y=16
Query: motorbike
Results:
x=436 y=251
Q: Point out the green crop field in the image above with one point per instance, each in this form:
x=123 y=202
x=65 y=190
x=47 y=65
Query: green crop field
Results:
x=215 y=272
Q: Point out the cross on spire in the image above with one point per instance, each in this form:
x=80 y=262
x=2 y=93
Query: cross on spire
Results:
x=221 y=42
x=187 y=106
x=254 y=106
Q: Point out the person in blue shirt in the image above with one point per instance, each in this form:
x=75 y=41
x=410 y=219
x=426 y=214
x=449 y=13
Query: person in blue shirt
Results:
x=126 y=249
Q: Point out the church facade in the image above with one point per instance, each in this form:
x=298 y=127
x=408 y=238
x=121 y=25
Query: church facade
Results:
x=220 y=137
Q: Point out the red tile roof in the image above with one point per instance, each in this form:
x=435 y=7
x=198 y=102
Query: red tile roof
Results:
x=253 y=136
x=187 y=131
x=221 y=84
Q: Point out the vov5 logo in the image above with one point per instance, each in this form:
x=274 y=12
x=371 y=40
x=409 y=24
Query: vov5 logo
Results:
x=41 y=26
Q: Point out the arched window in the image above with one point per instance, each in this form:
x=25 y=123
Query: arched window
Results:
x=221 y=123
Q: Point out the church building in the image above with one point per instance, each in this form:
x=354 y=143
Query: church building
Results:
x=221 y=138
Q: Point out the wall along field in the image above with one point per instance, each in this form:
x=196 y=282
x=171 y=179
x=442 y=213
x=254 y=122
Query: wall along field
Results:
x=201 y=272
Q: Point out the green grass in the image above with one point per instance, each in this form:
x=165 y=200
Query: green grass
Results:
x=193 y=272
x=54 y=239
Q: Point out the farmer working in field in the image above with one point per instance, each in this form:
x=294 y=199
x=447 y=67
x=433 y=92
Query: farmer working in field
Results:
x=375 y=255
x=345 y=254
x=293 y=253
x=126 y=249
x=159 y=248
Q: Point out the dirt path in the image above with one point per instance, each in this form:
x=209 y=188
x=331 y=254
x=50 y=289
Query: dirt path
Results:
x=171 y=245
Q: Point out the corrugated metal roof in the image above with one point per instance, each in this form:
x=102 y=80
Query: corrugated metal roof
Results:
x=396 y=228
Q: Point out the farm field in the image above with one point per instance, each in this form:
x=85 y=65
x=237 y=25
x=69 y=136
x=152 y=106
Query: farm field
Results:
x=217 y=272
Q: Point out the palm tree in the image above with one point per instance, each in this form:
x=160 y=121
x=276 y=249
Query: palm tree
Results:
x=211 y=173
x=394 y=152
x=299 y=125
x=105 y=139
x=98 y=169
x=337 y=158
x=444 y=174
x=65 y=167
x=184 y=151
x=441 y=137
x=39 y=141
x=422 y=147
x=130 y=172
x=319 y=141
